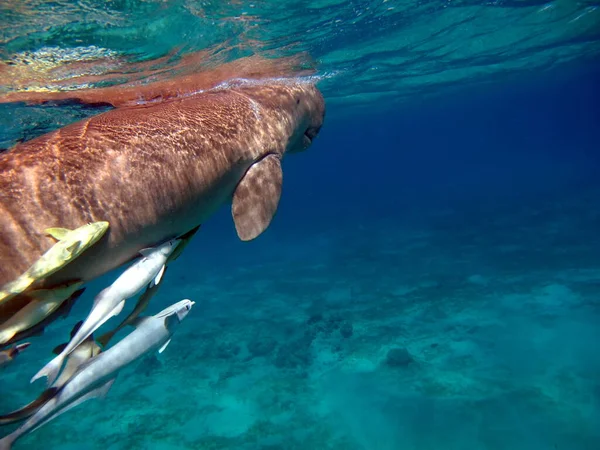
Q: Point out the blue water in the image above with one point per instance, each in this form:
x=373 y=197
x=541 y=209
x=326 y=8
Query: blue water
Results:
x=431 y=282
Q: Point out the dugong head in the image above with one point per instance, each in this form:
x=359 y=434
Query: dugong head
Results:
x=310 y=107
x=296 y=105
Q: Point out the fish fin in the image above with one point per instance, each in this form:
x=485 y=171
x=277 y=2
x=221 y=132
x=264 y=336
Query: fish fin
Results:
x=57 y=233
x=149 y=292
x=103 y=390
x=76 y=328
x=99 y=297
x=159 y=275
x=184 y=240
x=117 y=310
x=162 y=349
x=59 y=348
x=67 y=305
x=74 y=247
x=96 y=349
x=170 y=321
x=75 y=295
x=256 y=198
x=190 y=233
x=145 y=252
x=50 y=370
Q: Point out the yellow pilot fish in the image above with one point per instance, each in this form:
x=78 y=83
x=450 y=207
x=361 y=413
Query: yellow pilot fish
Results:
x=71 y=244
x=44 y=302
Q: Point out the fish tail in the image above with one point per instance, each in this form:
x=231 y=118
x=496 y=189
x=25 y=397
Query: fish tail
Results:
x=50 y=370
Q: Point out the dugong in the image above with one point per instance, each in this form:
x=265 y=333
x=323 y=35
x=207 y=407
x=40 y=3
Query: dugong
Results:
x=154 y=172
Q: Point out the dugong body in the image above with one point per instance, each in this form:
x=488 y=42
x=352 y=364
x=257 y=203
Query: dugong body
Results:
x=153 y=172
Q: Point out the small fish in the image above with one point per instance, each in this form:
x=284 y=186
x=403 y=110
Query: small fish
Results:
x=44 y=302
x=87 y=350
x=150 y=291
x=110 y=301
x=95 y=377
x=139 y=308
x=7 y=356
x=38 y=329
x=71 y=244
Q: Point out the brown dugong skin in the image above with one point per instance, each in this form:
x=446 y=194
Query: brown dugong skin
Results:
x=152 y=171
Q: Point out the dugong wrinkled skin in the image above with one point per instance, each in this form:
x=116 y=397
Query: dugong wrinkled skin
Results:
x=154 y=172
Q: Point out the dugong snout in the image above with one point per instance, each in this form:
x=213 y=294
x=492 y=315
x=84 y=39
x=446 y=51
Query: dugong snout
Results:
x=314 y=103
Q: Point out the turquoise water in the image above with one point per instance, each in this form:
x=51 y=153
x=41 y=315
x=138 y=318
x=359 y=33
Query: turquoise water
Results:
x=431 y=280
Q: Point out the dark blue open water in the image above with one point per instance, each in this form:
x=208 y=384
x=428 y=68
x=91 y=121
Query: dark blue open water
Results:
x=432 y=278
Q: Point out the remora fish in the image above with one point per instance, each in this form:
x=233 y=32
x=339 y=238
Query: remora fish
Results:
x=139 y=308
x=88 y=349
x=38 y=329
x=150 y=291
x=94 y=378
x=45 y=302
x=70 y=245
x=110 y=301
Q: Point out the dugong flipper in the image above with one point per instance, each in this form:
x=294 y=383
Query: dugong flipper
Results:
x=256 y=197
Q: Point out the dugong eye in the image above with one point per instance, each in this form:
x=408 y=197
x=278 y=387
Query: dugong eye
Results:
x=297 y=101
